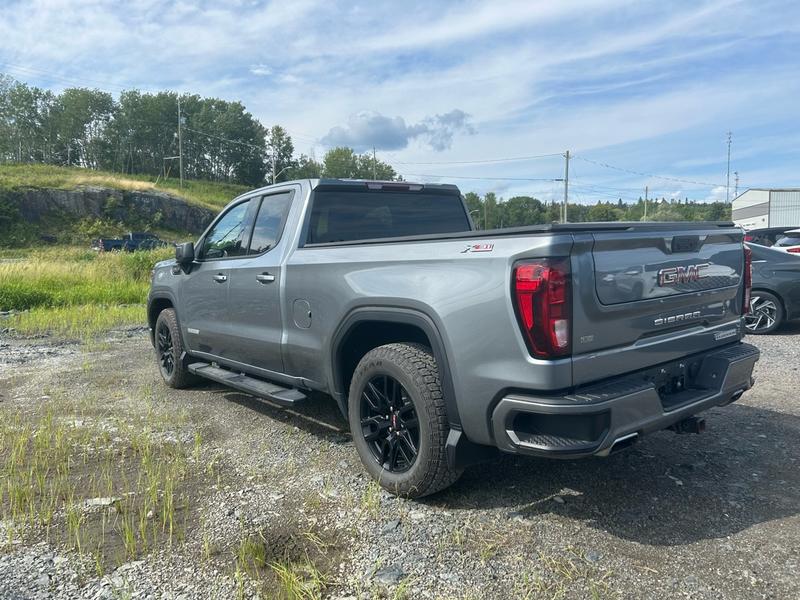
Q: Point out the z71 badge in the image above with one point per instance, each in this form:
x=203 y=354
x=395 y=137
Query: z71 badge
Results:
x=478 y=248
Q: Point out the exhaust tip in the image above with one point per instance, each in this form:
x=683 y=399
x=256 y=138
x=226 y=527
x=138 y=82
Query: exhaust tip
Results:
x=623 y=442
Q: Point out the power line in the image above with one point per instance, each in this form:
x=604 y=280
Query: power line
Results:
x=484 y=161
x=482 y=178
x=32 y=72
x=631 y=171
x=222 y=139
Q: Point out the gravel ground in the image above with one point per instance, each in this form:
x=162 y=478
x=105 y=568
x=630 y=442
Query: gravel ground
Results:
x=710 y=516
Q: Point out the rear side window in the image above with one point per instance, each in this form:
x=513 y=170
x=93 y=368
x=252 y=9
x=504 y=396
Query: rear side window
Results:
x=789 y=240
x=269 y=222
x=345 y=215
x=228 y=237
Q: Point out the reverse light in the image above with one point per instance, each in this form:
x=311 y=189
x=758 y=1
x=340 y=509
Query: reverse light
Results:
x=748 y=279
x=542 y=302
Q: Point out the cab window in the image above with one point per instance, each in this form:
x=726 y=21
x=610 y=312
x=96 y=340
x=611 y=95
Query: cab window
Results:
x=228 y=237
x=269 y=222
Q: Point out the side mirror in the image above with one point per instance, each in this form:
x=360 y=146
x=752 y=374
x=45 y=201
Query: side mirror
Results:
x=184 y=254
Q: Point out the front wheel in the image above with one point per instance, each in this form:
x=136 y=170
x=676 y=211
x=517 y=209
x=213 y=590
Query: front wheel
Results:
x=169 y=351
x=766 y=313
x=399 y=420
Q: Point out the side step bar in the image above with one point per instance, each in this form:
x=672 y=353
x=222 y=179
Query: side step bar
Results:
x=248 y=385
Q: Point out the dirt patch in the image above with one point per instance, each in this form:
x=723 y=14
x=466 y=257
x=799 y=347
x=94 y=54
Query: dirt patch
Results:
x=286 y=507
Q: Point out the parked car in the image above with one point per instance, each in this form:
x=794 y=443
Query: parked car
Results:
x=441 y=344
x=766 y=236
x=129 y=242
x=107 y=245
x=775 y=297
x=788 y=242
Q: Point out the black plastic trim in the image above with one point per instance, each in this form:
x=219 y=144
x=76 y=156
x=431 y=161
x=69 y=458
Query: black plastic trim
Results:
x=162 y=296
x=404 y=316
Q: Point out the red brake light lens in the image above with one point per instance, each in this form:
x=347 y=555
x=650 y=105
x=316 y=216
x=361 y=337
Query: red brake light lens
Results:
x=748 y=279
x=542 y=295
x=794 y=250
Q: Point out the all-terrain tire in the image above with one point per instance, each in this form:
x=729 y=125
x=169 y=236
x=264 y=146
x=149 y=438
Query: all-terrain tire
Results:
x=414 y=367
x=176 y=376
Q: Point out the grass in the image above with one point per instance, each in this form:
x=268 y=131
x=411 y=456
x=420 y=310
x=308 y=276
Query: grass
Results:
x=109 y=489
x=371 y=499
x=75 y=293
x=290 y=560
x=77 y=322
x=560 y=576
x=68 y=277
x=25 y=176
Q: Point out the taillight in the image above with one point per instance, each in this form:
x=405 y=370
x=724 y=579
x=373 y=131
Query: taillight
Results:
x=793 y=250
x=748 y=237
x=542 y=302
x=748 y=279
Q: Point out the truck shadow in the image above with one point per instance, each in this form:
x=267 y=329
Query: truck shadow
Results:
x=319 y=415
x=667 y=490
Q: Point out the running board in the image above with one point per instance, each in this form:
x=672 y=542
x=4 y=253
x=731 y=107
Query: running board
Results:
x=249 y=385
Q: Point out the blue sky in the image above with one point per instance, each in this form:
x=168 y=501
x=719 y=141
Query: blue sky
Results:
x=649 y=87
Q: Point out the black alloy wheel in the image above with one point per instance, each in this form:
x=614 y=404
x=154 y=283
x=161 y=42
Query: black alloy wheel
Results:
x=390 y=424
x=165 y=349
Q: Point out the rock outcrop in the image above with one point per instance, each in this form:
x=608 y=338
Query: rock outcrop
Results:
x=131 y=207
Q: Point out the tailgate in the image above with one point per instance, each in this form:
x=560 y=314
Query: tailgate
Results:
x=650 y=295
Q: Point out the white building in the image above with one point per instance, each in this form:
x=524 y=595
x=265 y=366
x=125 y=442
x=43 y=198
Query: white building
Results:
x=758 y=208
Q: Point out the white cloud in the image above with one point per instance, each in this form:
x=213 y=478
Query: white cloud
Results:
x=717 y=194
x=261 y=70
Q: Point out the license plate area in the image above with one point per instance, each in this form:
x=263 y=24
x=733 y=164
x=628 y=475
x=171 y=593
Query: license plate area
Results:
x=677 y=383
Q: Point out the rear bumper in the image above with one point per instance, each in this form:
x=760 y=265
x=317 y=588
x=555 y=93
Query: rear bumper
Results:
x=592 y=420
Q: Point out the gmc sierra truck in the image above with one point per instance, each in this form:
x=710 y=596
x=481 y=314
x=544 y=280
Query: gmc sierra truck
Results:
x=440 y=343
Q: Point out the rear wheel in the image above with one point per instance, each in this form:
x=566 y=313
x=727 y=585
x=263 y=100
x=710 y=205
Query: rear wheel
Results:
x=766 y=313
x=169 y=350
x=399 y=421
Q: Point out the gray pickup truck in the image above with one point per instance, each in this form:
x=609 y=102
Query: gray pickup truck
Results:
x=441 y=344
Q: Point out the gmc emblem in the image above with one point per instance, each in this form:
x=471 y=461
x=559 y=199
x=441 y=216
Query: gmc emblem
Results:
x=676 y=275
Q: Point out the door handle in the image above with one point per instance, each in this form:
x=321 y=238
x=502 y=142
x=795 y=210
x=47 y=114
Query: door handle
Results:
x=265 y=278
x=220 y=278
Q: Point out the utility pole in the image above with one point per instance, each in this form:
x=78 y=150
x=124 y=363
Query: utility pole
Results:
x=274 y=165
x=180 y=140
x=646 y=190
x=566 y=187
x=736 y=184
x=374 y=164
x=728 y=182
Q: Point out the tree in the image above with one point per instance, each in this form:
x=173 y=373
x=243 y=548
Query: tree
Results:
x=475 y=208
x=79 y=119
x=522 y=210
x=340 y=162
x=491 y=216
x=306 y=168
x=280 y=150
x=343 y=162
x=603 y=211
x=370 y=167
